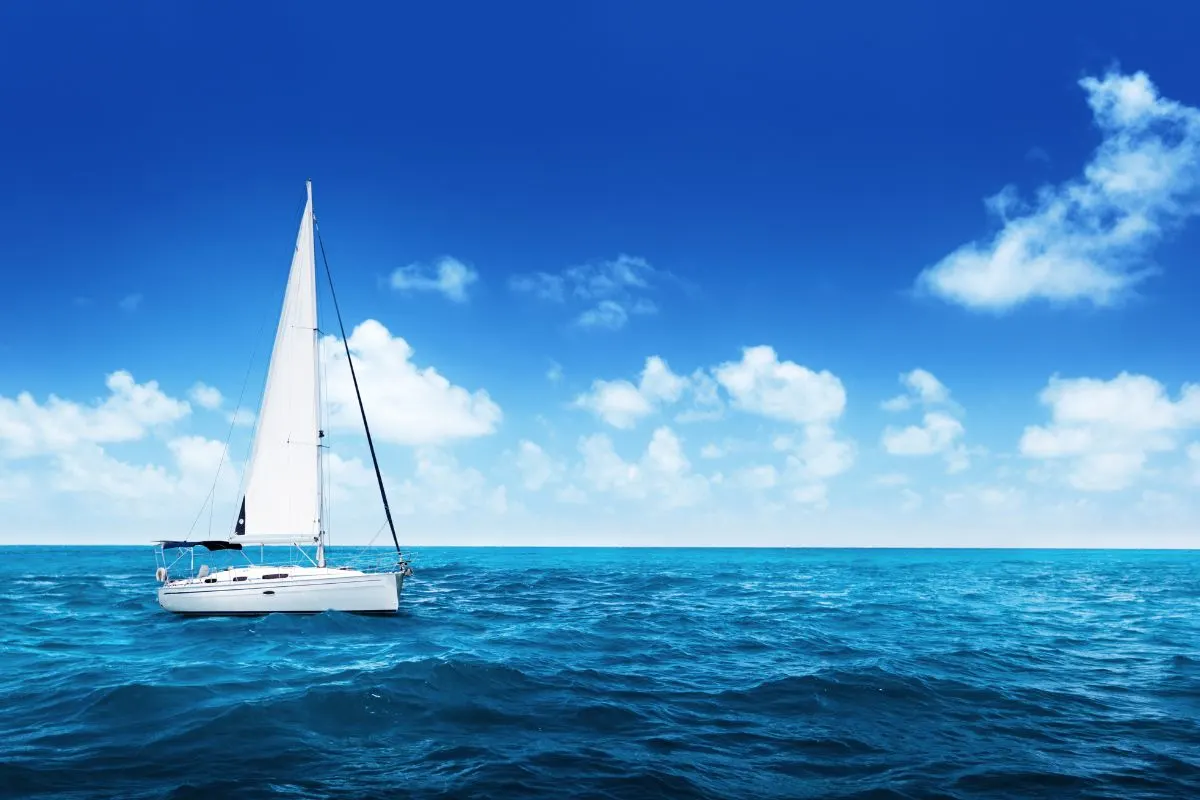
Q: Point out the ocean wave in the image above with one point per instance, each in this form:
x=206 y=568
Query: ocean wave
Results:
x=614 y=674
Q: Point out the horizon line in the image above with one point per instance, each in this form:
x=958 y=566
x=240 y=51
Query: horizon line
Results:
x=1182 y=549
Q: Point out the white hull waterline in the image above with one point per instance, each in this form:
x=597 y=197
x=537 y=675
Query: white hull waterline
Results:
x=296 y=590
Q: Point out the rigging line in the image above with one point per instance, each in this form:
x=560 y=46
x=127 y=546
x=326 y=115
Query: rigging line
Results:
x=361 y=410
x=376 y=536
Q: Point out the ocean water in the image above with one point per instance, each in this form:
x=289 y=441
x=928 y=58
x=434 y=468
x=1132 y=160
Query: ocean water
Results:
x=528 y=673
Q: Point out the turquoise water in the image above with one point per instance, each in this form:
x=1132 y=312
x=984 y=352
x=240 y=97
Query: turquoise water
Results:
x=617 y=674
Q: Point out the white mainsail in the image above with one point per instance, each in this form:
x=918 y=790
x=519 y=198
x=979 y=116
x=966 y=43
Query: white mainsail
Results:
x=282 y=491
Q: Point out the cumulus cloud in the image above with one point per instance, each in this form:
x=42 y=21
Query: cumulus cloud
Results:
x=813 y=457
x=757 y=478
x=29 y=428
x=1105 y=431
x=1087 y=239
x=939 y=432
x=406 y=404
x=206 y=396
x=537 y=468
x=242 y=417
x=922 y=387
x=663 y=473
x=622 y=404
x=449 y=277
x=440 y=485
x=178 y=486
x=612 y=290
x=760 y=383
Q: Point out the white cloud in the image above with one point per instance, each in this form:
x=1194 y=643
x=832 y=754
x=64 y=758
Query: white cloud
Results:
x=130 y=302
x=1105 y=431
x=663 y=473
x=607 y=314
x=243 y=417
x=818 y=455
x=758 y=478
x=923 y=387
x=612 y=315
x=88 y=469
x=622 y=405
x=555 y=373
x=614 y=289
x=348 y=475
x=1193 y=454
x=405 y=404
x=911 y=500
x=440 y=486
x=448 y=276
x=660 y=383
x=1087 y=239
x=892 y=479
x=761 y=384
x=706 y=399
x=938 y=433
x=536 y=467
x=211 y=398
x=619 y=403
x=29 y=428
x=786 y=391
x=542 y=285
x=206 y=396
x=815 y=494
x=711 y=451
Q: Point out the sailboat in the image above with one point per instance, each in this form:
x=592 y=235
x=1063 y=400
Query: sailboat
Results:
x=283 y=498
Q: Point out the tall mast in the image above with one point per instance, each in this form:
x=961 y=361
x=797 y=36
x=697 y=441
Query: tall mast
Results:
x=317 y=388
x=353 y=377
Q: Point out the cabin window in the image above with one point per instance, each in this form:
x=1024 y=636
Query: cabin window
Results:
x=275 y=575
x=239 y=577
x=210 y=580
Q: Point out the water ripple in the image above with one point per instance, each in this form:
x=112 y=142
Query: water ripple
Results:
x=617 y=674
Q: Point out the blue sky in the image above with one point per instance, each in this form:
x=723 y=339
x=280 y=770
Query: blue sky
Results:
x=626 y=273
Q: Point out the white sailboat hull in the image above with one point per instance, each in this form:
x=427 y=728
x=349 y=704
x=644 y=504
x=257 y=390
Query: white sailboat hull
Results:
x=297 y=590
x=283 y=496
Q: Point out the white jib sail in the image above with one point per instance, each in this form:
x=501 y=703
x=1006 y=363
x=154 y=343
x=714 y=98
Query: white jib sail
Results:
x=281 y=488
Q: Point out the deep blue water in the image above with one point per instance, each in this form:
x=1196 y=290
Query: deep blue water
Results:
x=618 y=674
